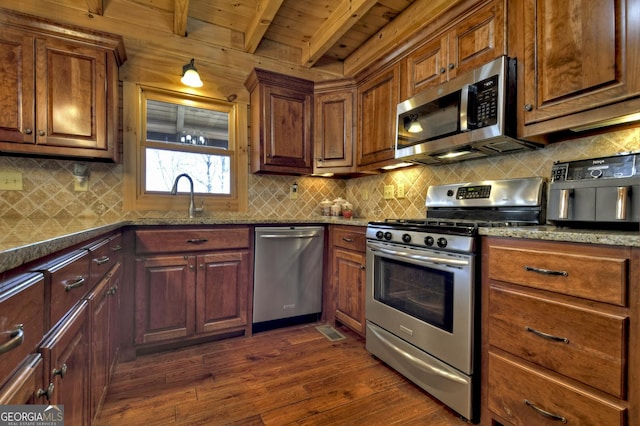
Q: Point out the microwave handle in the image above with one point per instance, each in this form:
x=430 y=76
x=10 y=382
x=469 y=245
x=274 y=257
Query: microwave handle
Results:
x=467 y=91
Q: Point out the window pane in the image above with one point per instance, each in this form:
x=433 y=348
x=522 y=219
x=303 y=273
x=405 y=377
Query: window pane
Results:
x=174 y=123
x=211 y=174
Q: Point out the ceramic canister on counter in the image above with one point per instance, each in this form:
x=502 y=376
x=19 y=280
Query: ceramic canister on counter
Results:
x=325 y=207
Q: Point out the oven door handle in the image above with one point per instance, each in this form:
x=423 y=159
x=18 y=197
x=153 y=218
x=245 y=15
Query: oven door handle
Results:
x=430 y=259
x=418 y=362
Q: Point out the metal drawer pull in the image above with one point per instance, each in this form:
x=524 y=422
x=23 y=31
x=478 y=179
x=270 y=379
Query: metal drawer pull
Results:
x=546 y=271
x=197 y=240
x=79 y=282
x=349 y=240
x=117 y=248
x=545 y=413
x=546 y=336
x=17 y=337
x=102 y=260
x=61 y=372
x=47 y=392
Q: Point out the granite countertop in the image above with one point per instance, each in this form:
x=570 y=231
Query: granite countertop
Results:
x=25 y=240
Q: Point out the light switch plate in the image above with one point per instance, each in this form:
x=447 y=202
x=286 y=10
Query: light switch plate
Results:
x=388 y=192
x=11 y=181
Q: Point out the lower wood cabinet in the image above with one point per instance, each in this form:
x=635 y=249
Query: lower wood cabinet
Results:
x=67 y=364
x=558 y=333
x=348 y=275
x=192 y=294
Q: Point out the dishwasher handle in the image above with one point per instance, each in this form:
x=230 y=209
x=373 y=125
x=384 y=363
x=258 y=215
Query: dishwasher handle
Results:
x=289 y=235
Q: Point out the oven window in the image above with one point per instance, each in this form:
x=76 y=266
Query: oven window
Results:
x=421 y=292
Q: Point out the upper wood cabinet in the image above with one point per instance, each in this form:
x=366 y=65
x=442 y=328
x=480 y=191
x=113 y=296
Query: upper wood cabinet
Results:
x=281 y=123
x=475 y=40
x=59 y=89
x=378 y=99
x=334 y=128
x=575 y=57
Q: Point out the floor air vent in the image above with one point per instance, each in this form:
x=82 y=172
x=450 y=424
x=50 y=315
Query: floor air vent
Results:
x=330 y=333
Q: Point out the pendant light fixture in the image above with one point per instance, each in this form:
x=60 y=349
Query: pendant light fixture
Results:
x=190 y=76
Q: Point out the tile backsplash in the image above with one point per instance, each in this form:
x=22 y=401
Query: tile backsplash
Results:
x=48 y=185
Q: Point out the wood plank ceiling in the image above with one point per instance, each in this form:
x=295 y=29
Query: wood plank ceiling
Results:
x=318 y=30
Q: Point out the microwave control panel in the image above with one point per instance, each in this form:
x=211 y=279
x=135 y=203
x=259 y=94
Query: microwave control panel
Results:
x=619 y=166
x=486 y=102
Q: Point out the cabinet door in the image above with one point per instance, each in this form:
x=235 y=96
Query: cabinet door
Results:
x=349 y=288
x=334 y=131
x=164 y=298
x=114 y=309
x=578 y=55
x=71 y=94
x=16 y=85
x=377 y=105
x=221 y=292
x=287 y=138
x=426 y=67
x=67 y=365
x=478 y=39
x=25 y=386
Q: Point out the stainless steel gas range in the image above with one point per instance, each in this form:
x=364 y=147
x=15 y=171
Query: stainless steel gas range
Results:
x=422 y=295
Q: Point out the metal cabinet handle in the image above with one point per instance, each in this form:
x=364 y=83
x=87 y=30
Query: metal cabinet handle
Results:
x=546 y=271
x=348 y=240
x=101 y=260
x=79 y=282
x=452 y=66
x=28 y=131
x=47 y=393
x=547 y=336
x=60 y=372
x=113 y=290
x=17 y=337
x=197 y=240
x=117 y=248
x=443 y=70
x=362 y=267
x=41 y=132
x=621 y=202
x=545 y=413
x=528 y=107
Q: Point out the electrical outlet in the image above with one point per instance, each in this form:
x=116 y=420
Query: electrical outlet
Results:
x=388 y=192
x=293 y=192
x=11 y=181
x=400 y=190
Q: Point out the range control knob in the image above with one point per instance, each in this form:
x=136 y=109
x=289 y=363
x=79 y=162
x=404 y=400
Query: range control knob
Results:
x=387 y=236
x=442 y=242
x=429 y=241
x=406 y=238
x=379 y=235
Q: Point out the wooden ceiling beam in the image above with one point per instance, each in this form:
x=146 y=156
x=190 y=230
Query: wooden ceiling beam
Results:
x=265 y=12
x=414 y=18
x=180 y=16
x=95 y=7
x=341 y=20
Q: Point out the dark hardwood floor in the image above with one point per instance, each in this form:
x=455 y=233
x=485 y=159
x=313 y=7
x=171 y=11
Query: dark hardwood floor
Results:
x=289 y=376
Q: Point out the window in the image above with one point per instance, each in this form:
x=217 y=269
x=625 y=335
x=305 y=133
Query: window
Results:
x=180 y=133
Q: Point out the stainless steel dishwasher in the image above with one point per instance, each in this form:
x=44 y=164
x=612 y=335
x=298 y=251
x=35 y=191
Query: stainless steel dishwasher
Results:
x=288 y=273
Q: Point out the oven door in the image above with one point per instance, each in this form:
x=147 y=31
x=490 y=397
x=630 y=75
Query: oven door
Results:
x=424 y=297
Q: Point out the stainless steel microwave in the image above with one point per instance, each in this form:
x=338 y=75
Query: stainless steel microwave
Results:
x=470 y=116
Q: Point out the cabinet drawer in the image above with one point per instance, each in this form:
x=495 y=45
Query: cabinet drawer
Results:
x=23 y=386
x=594 y=351
x=562 y=269
x=101 y=261
x=350 y=238
x=519 y=393
x=67 y=282
x=21 y=303
x=192 y=239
